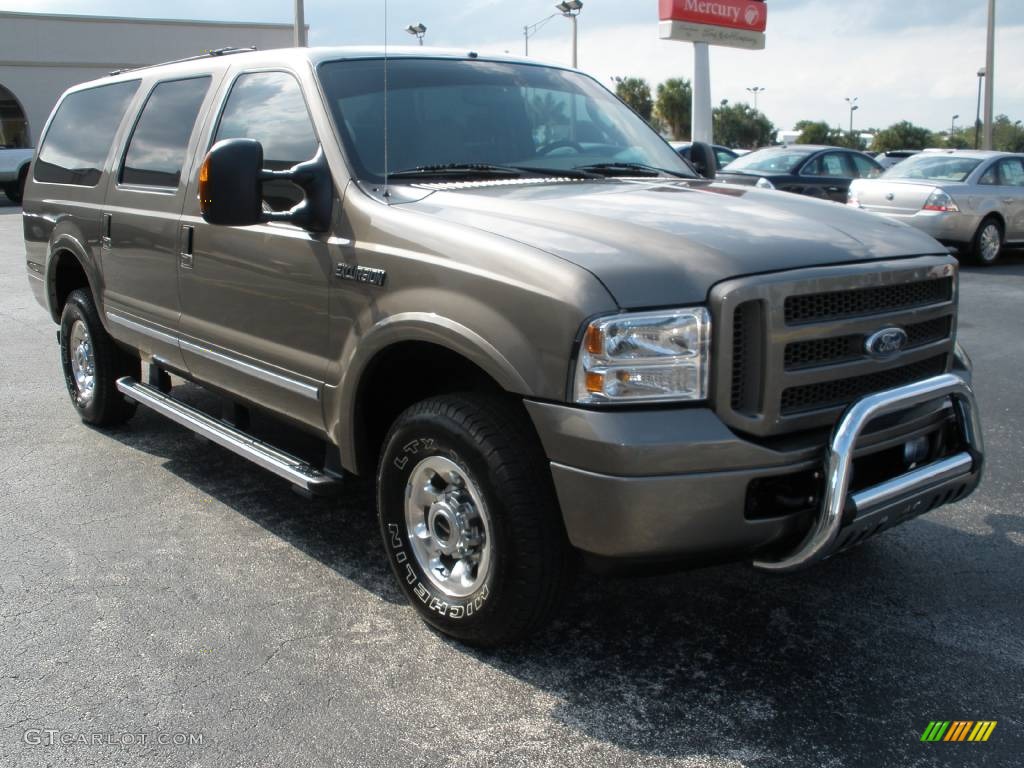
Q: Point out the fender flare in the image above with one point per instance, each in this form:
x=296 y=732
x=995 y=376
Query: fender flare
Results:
x=66 y=242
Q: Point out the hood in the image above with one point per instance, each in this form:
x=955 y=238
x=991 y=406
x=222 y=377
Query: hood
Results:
x=656 y=243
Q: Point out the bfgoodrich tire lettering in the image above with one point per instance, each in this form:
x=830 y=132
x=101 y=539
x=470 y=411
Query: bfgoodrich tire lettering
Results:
x=93 y=363
x=492 y=483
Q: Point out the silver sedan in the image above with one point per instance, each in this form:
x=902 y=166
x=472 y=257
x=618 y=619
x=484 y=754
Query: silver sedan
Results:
x=968 y=199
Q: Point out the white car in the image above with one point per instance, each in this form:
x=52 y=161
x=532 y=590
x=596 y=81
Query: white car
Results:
x=972 y=200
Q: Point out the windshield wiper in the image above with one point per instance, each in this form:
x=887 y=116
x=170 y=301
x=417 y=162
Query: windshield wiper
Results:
x=458 y=169
x=485 y=170
x=626 y=169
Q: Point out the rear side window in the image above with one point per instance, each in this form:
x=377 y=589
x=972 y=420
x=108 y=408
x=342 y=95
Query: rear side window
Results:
x=865 y=168
x=81 y=134
x=156 y=151
x=268 y=107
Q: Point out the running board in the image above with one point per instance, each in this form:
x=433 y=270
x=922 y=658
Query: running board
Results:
x=293 y=469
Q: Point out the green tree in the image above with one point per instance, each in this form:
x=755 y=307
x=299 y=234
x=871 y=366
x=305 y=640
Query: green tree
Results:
x=636 y=92
x=902 y=135
x=673 y=105
x=739 y=125
x=813 y=132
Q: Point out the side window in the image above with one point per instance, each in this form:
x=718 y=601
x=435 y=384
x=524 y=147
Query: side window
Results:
x=156 y=150
x=1011 y=172
x=81 y=134
x=829 y=164
x=864 y=168
x=268 y=107
x=991 y=176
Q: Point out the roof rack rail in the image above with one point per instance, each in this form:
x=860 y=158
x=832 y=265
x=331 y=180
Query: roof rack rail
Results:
x=213 y=52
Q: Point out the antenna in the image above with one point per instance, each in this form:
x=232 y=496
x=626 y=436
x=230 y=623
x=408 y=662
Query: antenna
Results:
x=387 y=194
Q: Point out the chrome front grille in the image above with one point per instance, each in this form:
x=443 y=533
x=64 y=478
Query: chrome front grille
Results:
x=791 y=347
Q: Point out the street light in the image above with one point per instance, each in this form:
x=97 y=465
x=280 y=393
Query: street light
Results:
x=952 y=125
x=756 y=90
x=977 y=115
x=571 y=9
x=853 y=108
x=530 y=30
x=417 y=30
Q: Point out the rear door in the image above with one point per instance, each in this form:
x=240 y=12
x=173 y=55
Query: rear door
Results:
x=140 y=223
x=830 y=174
x=254 y=300
x=1011 y=196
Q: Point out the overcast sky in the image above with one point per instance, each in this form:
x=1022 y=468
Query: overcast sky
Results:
x=903 y=59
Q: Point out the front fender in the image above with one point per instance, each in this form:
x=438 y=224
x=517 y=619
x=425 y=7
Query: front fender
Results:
x=340 y=401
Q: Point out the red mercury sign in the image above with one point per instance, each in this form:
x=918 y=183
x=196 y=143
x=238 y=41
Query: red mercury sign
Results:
x=749 y=15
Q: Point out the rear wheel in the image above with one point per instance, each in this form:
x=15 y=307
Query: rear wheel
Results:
x=988 y=242
x=16 y=191
x=469 y=518
x=93 y=363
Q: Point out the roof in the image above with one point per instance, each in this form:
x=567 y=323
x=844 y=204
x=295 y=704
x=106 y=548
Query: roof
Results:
x=306 y=56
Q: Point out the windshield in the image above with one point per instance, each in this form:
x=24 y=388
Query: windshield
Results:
x=933 y=168
x=451 y=112
x=768 y=161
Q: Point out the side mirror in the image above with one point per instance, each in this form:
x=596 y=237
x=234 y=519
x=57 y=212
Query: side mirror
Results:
x=231 y=187
x=702 y=156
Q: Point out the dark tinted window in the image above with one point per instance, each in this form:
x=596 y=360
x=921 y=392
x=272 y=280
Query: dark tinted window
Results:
x=828 y=164
x=268 y=107
x=81 y=134
x=156 y=151
x=865 y=168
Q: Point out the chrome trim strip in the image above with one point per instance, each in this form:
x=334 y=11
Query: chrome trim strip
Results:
x=918 y=479
x=145 y=330
x=820 y=540
x=282 y=464
x=297 y=387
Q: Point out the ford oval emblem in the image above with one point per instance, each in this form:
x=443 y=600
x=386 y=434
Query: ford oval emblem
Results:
x=886 y=342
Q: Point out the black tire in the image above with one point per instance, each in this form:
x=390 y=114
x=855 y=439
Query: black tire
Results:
x=980 y=254
x=102 y=405
x=491 y=441
x=16 y=192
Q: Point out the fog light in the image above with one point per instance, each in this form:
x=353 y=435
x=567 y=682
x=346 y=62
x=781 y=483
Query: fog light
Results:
x=915 y=451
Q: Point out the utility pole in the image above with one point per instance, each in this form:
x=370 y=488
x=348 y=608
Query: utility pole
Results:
x=990 y=64
x=299 y=36
x=700 y=120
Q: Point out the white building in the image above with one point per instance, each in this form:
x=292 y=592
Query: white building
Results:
x=43 y=54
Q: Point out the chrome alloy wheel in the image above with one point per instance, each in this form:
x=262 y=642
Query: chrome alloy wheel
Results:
x=990 y=242
x=83 y=362
x=448 y=526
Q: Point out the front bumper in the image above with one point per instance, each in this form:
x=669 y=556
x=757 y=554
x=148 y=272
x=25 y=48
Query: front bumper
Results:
x=676 y=483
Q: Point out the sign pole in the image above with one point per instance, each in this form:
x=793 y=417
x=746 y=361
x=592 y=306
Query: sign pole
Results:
x=700 y=120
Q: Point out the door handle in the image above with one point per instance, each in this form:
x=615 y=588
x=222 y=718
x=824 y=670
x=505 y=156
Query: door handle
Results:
x=105 y=242
x=186 y=257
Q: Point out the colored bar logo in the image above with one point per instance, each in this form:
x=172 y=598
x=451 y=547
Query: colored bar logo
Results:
x=958 y=730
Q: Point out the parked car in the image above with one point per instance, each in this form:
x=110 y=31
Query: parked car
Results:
x=535 y=345
x=893 y=156
x=723 y=155
x=971 y=200
x=14 y=163
x=806 y=169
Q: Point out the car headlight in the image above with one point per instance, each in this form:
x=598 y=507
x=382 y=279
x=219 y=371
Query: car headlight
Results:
x=763 y=183
x=645 y=357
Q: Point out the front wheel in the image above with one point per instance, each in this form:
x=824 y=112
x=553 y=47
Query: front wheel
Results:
x=469 y=518
x=93 y=363
x=988 y=242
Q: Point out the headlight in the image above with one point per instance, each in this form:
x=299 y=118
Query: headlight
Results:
x=763 y=183
x=645 y=357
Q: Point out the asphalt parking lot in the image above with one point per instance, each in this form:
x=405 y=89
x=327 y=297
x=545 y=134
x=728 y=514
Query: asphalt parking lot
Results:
x=154 y=584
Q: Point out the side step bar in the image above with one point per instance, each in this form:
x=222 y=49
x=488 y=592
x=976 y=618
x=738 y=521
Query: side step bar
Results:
x=293 y=469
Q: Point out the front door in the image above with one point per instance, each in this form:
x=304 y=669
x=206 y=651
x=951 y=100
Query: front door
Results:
x=1011 y=196
x=830 y=174
x=141 y=238
x=254 y=300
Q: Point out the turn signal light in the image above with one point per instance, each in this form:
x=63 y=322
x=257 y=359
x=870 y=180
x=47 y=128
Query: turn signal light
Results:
x=204 y=185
